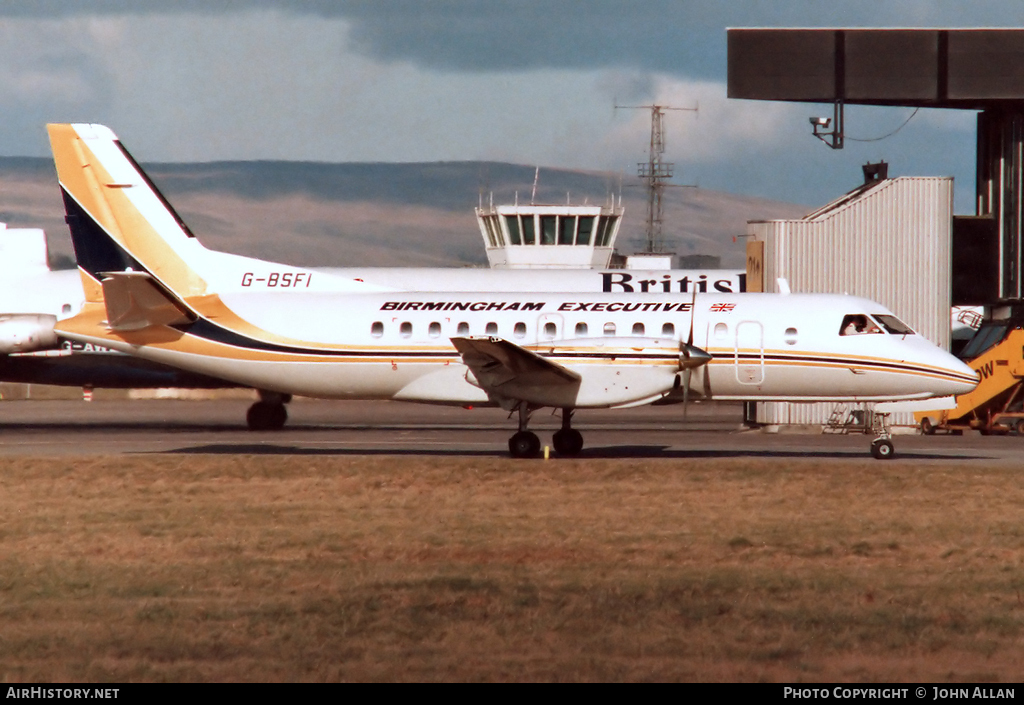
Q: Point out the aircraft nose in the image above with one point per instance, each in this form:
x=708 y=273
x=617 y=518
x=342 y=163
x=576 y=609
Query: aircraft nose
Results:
x=958 y=378
x=970 y=378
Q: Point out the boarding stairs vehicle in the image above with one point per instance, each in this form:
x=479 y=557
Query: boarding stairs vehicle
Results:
x=996 y=405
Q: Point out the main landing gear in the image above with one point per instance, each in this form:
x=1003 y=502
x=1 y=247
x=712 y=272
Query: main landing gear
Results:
x=269 y=413
x=882 y=447
x=525 y=444
x=567 y=440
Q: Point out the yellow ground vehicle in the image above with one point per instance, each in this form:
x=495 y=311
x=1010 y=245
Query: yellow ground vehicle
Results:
x=997 y=404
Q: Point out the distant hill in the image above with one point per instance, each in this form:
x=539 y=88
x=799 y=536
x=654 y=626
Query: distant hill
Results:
x=377 y=214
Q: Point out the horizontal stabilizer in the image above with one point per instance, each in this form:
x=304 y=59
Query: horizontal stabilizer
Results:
x=134 y=301
x=496 y=363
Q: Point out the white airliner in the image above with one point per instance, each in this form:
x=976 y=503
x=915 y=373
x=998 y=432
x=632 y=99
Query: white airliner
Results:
x=521 y=351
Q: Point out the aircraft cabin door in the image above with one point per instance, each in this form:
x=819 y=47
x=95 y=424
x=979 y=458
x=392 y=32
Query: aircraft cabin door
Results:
x=749 y=352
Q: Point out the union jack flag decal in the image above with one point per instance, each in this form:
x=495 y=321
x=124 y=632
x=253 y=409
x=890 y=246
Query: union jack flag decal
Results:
x=720 y=308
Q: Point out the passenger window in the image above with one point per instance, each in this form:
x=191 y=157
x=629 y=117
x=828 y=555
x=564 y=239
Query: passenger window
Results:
x=721 y=331
x=609 y=329
x=405 y=330
x=377 y=329
x=790 y=336
x=638 y=329
x=520 y=330
x=434 y=330
x=550 y=329
x=668 y=330
x=66 y=308
x=581 y=330
x=463 y=328
x=491 y=329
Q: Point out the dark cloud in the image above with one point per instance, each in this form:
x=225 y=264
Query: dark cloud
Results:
x=680 y=37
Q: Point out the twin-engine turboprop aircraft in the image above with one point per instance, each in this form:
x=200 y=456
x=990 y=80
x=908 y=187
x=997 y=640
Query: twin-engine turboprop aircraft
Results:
x=521 y=351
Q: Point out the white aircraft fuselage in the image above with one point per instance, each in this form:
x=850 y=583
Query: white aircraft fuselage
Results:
x=397 y=345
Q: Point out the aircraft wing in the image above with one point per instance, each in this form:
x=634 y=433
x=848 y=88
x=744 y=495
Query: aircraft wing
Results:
x=503 y=367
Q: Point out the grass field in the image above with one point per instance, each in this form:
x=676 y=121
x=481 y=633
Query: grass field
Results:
x=254 y=568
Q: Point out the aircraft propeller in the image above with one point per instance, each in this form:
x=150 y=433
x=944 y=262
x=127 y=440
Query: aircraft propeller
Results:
x=690 y=356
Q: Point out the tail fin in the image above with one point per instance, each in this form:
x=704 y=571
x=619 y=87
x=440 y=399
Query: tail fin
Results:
x=119 y=220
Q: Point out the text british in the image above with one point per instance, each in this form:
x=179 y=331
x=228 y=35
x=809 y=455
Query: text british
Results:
x=623 y=281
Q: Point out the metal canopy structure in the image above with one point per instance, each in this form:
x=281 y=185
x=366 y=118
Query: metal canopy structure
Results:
x=970 y=69
x=965 y=69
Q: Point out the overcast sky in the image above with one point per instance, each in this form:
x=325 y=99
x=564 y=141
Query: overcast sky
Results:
x=524 y=81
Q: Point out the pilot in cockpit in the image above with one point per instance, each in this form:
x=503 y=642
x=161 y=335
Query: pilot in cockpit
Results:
x=858 y=324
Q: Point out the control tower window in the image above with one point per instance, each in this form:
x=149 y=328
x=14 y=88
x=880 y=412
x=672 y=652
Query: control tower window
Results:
x=586 y=227
x=548 y=226
x=528 y=230
x=605 y=230
x=494 y=231
x=513 y=229
x=566 y=229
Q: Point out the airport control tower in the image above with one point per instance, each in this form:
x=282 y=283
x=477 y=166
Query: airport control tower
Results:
x=535 y=236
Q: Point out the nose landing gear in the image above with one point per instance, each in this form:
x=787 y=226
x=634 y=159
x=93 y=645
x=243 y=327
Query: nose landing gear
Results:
x=882 y=447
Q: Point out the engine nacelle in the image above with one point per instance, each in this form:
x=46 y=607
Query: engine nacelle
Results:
x=27 y=332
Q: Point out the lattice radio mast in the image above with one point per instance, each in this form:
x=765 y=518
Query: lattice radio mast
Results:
x=655 y=173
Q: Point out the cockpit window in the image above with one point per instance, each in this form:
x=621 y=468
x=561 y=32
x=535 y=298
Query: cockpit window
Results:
x=858 y=324
x=893 y=324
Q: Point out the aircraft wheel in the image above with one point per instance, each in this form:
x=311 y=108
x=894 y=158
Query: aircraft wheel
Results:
x=927 y=427
x=883 y=449
x=1018 y=427
x=266 y=416
x=524 y=444
x=568 y=441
